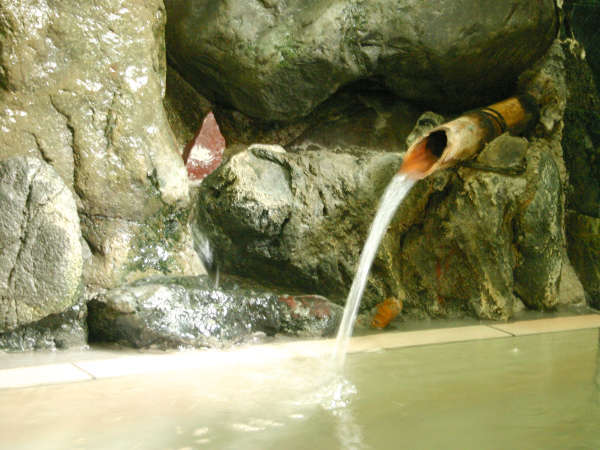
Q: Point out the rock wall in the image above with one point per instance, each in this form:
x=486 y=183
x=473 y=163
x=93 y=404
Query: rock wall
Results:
x=278 y=60
x=317 y=101
x=40 y=257
x=581 y=143
x=81 y=87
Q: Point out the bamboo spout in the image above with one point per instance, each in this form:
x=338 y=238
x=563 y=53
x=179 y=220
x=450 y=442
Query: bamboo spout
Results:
x=462 y=138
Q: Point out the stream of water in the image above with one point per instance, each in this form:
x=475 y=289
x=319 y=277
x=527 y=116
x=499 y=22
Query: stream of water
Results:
x=394 y=193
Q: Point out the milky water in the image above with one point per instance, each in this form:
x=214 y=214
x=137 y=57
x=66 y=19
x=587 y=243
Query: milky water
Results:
x=531 y=392
x=395 y=192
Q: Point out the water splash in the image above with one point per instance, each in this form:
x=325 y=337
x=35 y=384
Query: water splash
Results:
x=395 y=192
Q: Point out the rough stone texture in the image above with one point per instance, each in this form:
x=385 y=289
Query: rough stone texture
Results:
x=81 y=86
x=185 y=108
x=278 y=60
x=40 y=250
x=540 y=238
x=352 y=119
x=57 y=331
x=463 y=242
x=581 y=137
x=584 y=251
x=581 y=144
x=190 y=311
x=583 y=19
x=297 y=220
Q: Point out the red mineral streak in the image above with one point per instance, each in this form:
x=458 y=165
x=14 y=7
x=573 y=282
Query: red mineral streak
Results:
x=204 y=152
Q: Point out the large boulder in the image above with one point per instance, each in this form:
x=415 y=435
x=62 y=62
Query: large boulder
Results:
x=481 y=240
x=488 y=237
x=277 y=60
x=192 y=311
x=581 y=137
x=81 y=86
x=294 y=219
x=581 y=144
x=40 y=243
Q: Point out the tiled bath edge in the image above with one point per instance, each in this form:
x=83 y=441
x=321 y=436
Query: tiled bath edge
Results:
x=87 y=370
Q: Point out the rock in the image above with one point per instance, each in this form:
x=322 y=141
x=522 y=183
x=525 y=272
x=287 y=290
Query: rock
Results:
x=457 y=258
x=81 y=87
x=356 y=122
x=539 y=233
x=581 y=137
x=584 y=251
x=278 y=61
x=57 y=331
x=571 y=290
x=190 y=311
x=294 y=219
x=464 y=241
x=185 y=108
x=204 y=152
x=583 y=19
x=40 y=253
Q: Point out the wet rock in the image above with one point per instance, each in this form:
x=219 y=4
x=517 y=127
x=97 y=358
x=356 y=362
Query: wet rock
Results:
x=505 y=155
x=40 y=249
x=584 y=251
x=57 y=331
x=81 y=87
x=293 y=219
x=473 y=241
x=581 y=137
x=191 y=311
x=278 y=61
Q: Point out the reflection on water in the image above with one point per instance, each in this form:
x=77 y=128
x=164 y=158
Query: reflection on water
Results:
x=529 y=393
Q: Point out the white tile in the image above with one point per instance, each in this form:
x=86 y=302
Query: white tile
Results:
x=550 y=325
x=48 y=374
x=424 y=337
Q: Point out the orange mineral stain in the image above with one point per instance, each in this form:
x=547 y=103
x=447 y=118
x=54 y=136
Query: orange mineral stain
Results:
x=385 y=312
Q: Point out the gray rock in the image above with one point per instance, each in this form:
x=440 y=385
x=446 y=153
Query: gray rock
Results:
x=581 y=137
x=40 y=249
x=457 y=257
x=191 y=311
x=294 y=219
x=463 y=242
x=185 y=108
x=81 y=87
x=539 y=233
x=278 y=60
x=584 y=248
x=357 y=122
x=57 y=331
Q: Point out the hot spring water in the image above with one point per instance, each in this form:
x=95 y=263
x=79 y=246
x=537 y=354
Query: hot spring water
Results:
x=395 y=192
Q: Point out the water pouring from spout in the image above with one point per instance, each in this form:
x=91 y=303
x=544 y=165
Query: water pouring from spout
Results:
x=444 y=146
x=395 y=192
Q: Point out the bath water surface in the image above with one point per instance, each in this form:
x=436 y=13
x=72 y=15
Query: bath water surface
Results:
x=533 y=392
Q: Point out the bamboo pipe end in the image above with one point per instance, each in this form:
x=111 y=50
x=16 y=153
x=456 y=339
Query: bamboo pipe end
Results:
x=422 y=156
